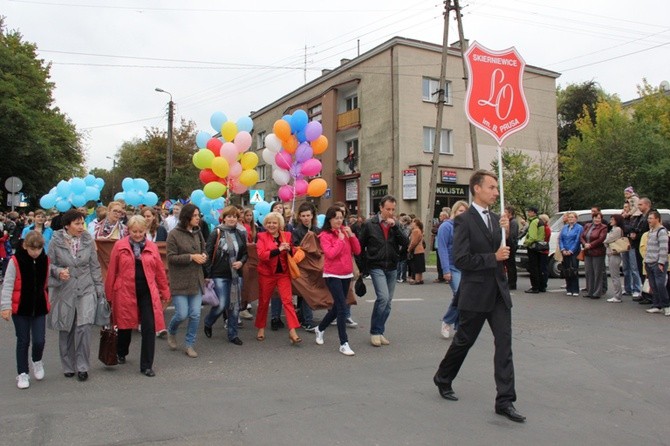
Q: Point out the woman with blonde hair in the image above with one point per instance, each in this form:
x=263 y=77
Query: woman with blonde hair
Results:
x=112 y=227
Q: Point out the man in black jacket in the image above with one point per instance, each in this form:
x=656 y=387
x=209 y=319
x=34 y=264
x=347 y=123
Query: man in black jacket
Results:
x=382 y=245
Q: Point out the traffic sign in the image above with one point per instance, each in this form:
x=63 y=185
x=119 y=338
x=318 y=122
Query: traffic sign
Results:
x=13 y=184
x=256 y=196
x=495 y=101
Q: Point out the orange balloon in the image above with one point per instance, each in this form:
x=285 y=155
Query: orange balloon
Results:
x=282 y=129
x=291 y=145
x=317 y=187
x=319 y=145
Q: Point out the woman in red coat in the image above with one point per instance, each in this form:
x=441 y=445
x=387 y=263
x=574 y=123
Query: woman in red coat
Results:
x=136 y=283
x=273 y=246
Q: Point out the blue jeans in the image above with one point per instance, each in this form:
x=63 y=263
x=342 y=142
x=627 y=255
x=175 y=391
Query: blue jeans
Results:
x=23 y=326
x=402 y=270
x=307 y=313
x=631 y=276
x=451 y=316
x=186 y=306
x=275 y=306
x=222 y=286
x=657 y=280
x=384 y=284
x=338 y=289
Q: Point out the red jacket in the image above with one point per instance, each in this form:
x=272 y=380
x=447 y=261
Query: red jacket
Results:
x=3 y=251
x=265 y=243
x=120 y=283
x=596 y=240
x=337 y=252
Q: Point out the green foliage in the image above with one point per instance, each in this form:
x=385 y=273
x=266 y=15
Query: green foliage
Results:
x=38 y=143
x=574 y=102
x=527 y=182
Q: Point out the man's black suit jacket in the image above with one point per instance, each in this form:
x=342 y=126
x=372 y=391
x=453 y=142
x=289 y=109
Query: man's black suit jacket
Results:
x=483 y=278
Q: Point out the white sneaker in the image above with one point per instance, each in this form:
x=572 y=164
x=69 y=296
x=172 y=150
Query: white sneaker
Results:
x=23 y=381
x=666 y=310
x=319 y=336
x=654 y=310
x=568 y=294
x=614 y=300
x=383 y=340
x=346 y=350
x=38 y=370
x=351 y=323
x=246 y=314
x=636 y=294
x=446 y=332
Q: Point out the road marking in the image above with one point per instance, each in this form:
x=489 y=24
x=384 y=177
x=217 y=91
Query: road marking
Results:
x=405 y=299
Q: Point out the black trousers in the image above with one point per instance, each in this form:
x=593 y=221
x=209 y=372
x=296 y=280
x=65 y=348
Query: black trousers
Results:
x=440 y=273
x=146 y=312
x=470 y=324
x=534 y=269
x=510 y=266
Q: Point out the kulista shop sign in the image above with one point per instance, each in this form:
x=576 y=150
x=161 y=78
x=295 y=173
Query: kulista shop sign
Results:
x=495 y=101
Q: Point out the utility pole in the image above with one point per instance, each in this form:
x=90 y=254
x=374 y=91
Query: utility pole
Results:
x=168 y=157
x=432 y=189
x=473 y=130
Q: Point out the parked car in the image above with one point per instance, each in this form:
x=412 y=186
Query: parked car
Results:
x=556 y=224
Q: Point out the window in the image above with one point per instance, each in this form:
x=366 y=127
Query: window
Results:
x=314 y=113
x=446 y=144
x=351 y=103
x=430 y=87
x=261 y=172
x=260 y=140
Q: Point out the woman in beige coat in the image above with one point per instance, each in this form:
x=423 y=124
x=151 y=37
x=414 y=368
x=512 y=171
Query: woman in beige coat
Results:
x=416 y=252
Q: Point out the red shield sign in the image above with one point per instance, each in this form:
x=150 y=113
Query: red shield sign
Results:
x=495 y=101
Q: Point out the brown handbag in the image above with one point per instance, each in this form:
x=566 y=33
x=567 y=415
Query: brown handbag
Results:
x=293 y=269
x=109 y=336
x=580 y=256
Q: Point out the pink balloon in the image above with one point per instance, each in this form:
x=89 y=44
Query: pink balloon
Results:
x=300 y=187
x=303 y=152
x=285 y=193
x=239 y=188
x=229 y=152
x=242 y=141
x=311 y=167
x=283 y=160
x=313 y=130
x=235 y=170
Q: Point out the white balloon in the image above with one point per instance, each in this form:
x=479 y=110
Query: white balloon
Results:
x=269 y=157
x=273 y=143
x=281 y=176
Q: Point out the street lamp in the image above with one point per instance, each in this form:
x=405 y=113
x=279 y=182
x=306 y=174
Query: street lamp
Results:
x=168 y=158
x=113 y=173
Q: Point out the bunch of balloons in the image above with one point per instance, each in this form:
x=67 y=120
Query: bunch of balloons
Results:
x=74 y=192
x=291 y=150
x=225 y=163
x=261 y=210
x=209 y=208
x=136 y=192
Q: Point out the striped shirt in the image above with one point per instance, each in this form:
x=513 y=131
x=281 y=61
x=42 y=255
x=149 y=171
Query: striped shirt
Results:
x=657 y=246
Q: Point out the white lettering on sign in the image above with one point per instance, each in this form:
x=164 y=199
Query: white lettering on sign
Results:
x=502 y=92
x=495 y=60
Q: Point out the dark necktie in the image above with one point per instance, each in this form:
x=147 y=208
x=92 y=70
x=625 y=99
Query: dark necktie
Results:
x=488 y=220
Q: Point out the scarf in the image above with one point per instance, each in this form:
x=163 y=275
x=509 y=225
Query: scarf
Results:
x=73 y=242
x=230 y=245
x=137 y=247
x=106 y=229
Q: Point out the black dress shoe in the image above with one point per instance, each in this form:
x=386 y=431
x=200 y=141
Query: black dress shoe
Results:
x=445 y=390
x=68 y=374
x=149 y=372
x=121 y=359
x=280 y=323
x=236 y=341
x=532 y=291
x=208 y=331
x=511 y=413
x=274 y=324
x=644 y=301
x=82 y=376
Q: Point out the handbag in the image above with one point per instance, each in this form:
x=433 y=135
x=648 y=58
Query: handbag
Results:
x=359 y=287
x=107 y=352
x=293 y=269
x=580 y=256
x=620 y=245
x=209 y=296
x=102 y=312
x=646 y=287
x=539 y=246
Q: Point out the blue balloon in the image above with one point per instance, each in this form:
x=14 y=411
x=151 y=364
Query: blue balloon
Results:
x=256 y=215
x=99 y=183
x=263 y=208
x=320 y=220
x=201 y=139
x=89 y=180
x=48 y=201
x=219 y=203
x=150 y=199
x=119 y=196
x=77 y=186
x=302 y=137
x=133 y=198
x=299 y=120
x=128 y=184
x=92 y=193
x=78 y=200
x=62 y=204
x=287 y=118
x=196 y=196
x=141 y=185
x=245 y=124
x=217 y=120
x=64 y=188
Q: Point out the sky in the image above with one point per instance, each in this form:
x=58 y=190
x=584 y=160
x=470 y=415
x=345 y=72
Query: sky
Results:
x=109 y=56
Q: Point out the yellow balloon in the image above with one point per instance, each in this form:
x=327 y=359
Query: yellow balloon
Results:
x=214 y=190
x=220 y=167
x=202 y=159
x=248 y=177
x=249 y=160
x=229 y=130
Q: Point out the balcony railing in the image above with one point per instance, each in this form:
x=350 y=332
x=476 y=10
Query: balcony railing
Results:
x=345 y=168
x=349 y=119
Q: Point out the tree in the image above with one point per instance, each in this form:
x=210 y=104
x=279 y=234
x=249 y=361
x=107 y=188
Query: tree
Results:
x=573 y=103
x=38 y=143
x=145 y=158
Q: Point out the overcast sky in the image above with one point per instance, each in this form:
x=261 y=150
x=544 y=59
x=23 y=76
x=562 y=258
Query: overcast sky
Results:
x=109 y=55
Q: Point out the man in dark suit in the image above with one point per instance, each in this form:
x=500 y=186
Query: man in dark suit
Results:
x=483 y=294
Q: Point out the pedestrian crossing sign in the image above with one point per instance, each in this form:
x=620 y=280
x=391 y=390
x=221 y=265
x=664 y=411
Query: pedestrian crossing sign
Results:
x=256 y=196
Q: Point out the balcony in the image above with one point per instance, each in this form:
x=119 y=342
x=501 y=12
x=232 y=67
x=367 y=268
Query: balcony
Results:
x=349 y=119
x=344 y=169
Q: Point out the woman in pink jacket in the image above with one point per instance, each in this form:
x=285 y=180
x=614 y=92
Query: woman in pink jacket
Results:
x=136 y=283
x=338 y=244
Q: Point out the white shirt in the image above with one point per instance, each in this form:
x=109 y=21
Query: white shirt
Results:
x=484 y=216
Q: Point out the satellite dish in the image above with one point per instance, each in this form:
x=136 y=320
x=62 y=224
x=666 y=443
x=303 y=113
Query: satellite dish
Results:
x=665 y=86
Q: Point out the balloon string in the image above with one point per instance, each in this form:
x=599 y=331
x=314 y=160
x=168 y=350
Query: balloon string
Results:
x=293 y=203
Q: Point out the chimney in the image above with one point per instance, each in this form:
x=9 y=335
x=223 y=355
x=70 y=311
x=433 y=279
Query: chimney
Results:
x=325 y=71
x=344 y=61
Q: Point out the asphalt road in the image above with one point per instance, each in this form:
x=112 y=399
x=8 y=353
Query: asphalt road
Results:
x=587 y=373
